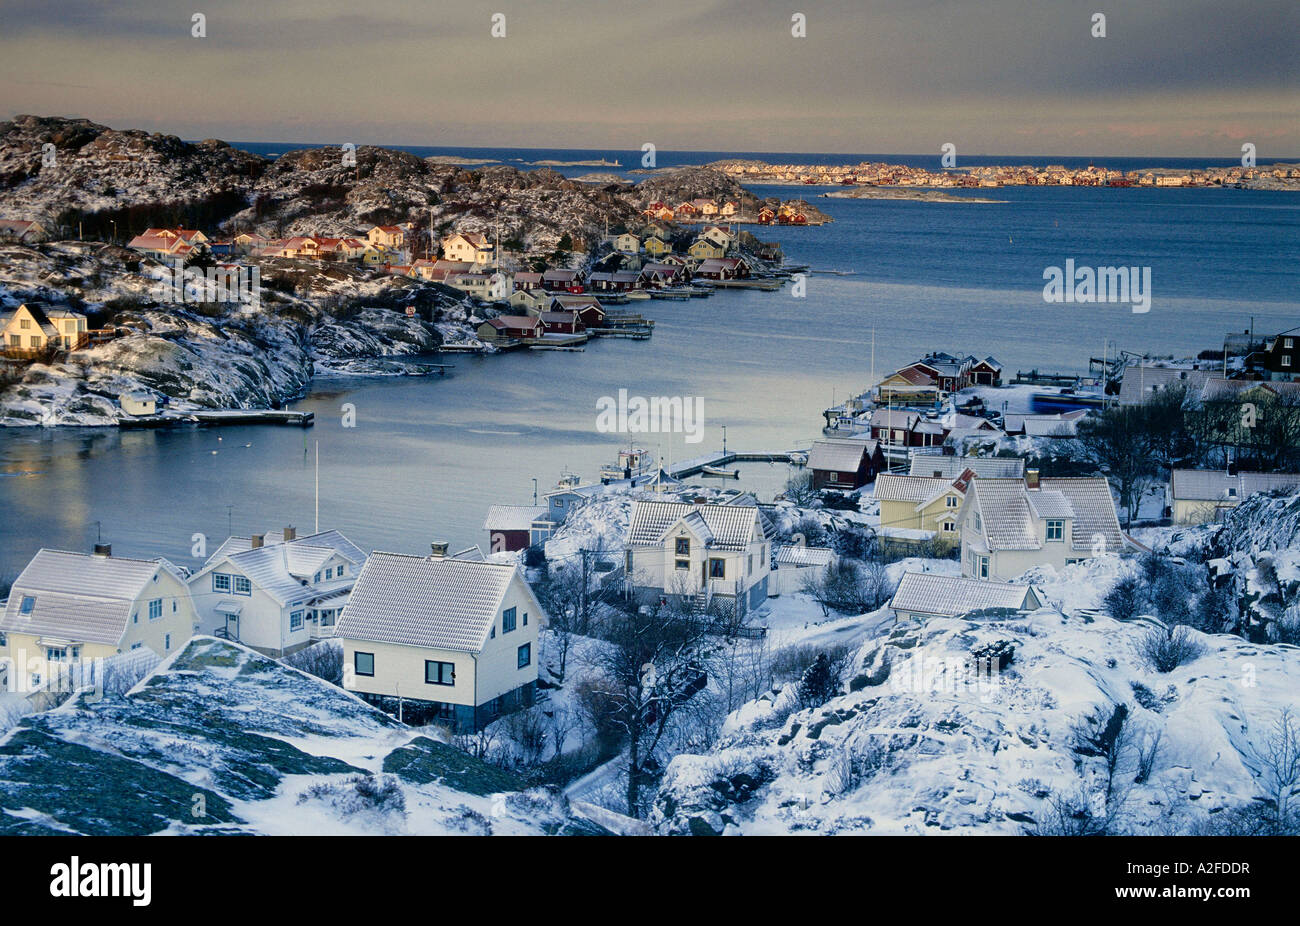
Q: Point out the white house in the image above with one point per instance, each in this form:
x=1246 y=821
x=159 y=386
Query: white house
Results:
x=276 y=592
x=1197 y=495
x=68 y=608
x=925 y=595
x=1011 y=525
x=449 y=638
x=706 y=553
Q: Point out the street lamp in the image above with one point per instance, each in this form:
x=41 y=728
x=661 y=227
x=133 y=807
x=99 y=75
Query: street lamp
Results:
x=724 y=439
x=534 y=490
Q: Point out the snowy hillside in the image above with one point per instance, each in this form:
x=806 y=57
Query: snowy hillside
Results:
x=220 y=739
x=920 y=745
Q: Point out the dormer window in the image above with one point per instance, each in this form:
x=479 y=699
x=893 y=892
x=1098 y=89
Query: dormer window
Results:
x=1055 y=530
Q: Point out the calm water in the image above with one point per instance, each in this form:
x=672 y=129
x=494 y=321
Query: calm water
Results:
x=428 y=456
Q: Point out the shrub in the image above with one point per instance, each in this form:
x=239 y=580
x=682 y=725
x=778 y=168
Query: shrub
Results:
x=1124 y=600
x=1164 y=649
x=323 y=660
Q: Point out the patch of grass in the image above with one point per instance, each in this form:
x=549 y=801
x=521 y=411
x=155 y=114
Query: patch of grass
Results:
x=423 y=760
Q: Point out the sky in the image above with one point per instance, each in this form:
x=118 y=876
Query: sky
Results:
x=1174 y=78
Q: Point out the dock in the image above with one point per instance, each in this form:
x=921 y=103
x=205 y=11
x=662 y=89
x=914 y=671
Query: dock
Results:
x=688 y=468
x=218 y=418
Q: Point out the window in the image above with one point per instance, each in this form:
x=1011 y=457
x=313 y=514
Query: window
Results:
x=979 y=523
x=363 y=664
x=682 y=564
x=525 y=655
x=717 y=568
x=220 y=582
x=1288 y=343
x=27 y=606
x=507 y=620
x=316 y=577
x=439 y=673
x=76 y=653
x=1286 y=360
x=174 y=606
x=683 y=546
x=949 y=527
x=295 y=620
x=137 y=645
x=167 y=642
x=340 y=571
x=155 y=609
x=4 y=641
x=982 y=564
x=951 y=501
x=1055 y=530
x=53 y=654
x=243 y=586
x=525 y=618
x=329 y=573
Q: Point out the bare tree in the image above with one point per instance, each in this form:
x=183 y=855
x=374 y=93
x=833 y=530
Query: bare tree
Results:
x=1280 y=758
x=655 y=665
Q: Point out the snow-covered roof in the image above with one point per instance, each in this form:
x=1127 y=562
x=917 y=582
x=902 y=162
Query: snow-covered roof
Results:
x=798 y=555
x=77 y=596
x=513 y=517
x=950 y=467
x=725 y=527
x=843 y=456
x=1214 y=485
x=891 y=487
x=1010 y=510
x=425 y=601
x=950 y=596
x=285 y=571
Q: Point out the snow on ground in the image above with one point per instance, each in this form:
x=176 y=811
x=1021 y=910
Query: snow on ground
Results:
x=920 y=747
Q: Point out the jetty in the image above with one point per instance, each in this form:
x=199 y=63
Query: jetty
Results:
x=226 y=417
x=721 y=458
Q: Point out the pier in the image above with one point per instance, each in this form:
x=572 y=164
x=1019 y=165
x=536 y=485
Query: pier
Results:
x=218 y=418
x=696 y=466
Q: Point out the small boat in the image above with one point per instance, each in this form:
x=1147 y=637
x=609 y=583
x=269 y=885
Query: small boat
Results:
x=720 y=472
x=798 y=458
x=632 y=462
x=670 y=293
x=637 y=294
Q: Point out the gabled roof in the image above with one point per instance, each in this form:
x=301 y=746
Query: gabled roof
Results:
x=285 y=570
x=927 y=464
x=891 y=487
x=843 y=456
x=79 y=597
x=788 y=554
x=513 y=517
x=951 y=596
x=423 y=601
x=1213 y=485
x=1094 y=510
x=725 y=527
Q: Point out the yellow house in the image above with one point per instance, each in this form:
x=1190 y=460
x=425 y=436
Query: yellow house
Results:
x=388 y=236
x=919 y=509
x=32 y=326
x=1203 y=495
x=706 y=249
x=448 y=639
x=657 y=247
x=70 y=608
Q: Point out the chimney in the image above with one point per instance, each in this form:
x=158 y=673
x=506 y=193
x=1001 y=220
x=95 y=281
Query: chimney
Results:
x=256 y=541
x=104 y=549
x=438 y=549
x=290 y=533
x=1031 y=479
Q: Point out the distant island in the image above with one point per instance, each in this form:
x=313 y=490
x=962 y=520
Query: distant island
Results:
x=922 y=196
x=881 y=174
x=600 y=162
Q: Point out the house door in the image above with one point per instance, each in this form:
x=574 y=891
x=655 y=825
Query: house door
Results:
x=704 y=574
